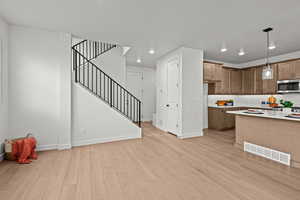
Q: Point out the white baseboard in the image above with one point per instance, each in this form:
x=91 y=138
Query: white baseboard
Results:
x=1 y=156
x=53 y=147
x=64 y=146
x=46 y=147
x=191 y=135
x=103 y=140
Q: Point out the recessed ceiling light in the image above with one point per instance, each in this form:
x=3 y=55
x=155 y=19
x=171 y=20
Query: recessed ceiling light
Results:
x=138 y=60
x=223 y=49
x=272 y=46
x=241 y=52
x=151 y=51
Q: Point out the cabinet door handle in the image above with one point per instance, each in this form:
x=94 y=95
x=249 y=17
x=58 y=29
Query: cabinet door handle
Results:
x=168 y=105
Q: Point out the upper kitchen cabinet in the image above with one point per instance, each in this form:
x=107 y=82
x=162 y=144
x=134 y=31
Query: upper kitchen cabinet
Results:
x=270 y=86
x=286 y=70
x=248 y=80
x=223 y=86
x=289 y=70
x=297 y=69
x=212 y=72
x=236 y=81
x=258 y=82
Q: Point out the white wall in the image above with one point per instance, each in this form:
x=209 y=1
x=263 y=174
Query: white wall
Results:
x=113 y=63
x=149 y=90
x=40 y=86
x=190 y=92
x=3 y=83
x=95 y=122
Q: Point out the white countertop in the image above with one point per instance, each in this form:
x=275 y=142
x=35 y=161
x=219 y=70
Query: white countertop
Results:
x=267 y=114
x=239 y=106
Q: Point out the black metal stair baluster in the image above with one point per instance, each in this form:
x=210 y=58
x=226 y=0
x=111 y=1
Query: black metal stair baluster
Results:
x=92 y=78
x=134 y=109
x=117 y=97
x=127 y=103
x=123 y=96
x=130 y=107
x=83 y=68
x=78 y=67
x=88 y=74
x=110 y=91
x=96 y=81
x=104 y=87
x=100 y=84
x=139 y=114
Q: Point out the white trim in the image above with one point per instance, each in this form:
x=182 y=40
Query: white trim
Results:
x=1 y=156
x=103 y=140
x=64 y=146
x=191 y=135
x=47 y=147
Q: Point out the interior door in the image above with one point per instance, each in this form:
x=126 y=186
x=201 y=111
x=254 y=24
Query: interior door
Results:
x=134 y=86
x=172 y=96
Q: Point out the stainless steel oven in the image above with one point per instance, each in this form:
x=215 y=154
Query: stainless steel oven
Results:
x=288 y=86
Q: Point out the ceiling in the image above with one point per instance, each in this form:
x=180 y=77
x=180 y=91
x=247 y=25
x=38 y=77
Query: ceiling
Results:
x=167 y=24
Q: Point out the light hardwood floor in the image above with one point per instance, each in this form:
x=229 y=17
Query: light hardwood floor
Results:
x=159 y=166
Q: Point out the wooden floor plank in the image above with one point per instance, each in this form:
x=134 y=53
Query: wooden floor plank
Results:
x=158 y=166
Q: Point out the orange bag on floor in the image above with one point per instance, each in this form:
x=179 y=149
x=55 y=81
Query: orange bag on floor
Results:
x=21 y=149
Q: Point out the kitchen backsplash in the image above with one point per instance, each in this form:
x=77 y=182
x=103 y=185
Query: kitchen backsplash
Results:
x=252 y=100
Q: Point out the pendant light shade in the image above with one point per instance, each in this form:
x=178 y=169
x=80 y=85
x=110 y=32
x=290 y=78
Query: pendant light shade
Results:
x=267 y=72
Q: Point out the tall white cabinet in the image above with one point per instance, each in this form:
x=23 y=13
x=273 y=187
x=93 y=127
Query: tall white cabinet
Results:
x=179 y=108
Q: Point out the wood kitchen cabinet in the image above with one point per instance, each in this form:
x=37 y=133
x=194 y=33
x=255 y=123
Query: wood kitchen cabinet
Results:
x=248 y=76
x=289 y=70
x=297 y=69
x=223 y=86
x=258 y=82
x=236 y=81
x=248 y=81
x=208 y=71
x=270 y=86
x=218 y=119
x=286 y=70
x=212 y=71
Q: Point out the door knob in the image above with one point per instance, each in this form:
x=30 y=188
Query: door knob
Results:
x=168 y=105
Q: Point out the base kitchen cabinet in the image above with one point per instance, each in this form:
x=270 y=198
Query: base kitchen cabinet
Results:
x=218 y=119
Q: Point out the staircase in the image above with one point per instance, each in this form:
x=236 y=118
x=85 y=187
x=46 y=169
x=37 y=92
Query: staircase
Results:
x=96 y=81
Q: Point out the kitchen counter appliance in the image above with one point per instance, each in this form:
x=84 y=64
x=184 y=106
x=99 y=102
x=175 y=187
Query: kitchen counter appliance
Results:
x=288 y=86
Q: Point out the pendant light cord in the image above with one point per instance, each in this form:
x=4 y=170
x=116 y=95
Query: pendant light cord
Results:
x=268 y=44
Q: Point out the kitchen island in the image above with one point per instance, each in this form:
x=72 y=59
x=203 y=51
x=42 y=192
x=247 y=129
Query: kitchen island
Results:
x=267 y=134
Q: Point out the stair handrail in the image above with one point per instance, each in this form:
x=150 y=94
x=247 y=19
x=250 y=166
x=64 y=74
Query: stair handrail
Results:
x=110 y=82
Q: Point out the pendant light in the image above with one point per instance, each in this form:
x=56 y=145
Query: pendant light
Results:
x=267 y=70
